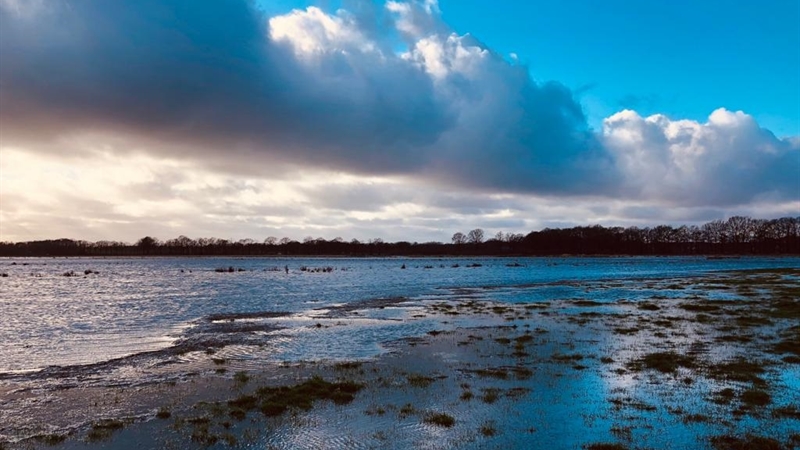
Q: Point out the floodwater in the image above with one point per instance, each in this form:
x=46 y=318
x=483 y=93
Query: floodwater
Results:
x=145 y=304
x=126 y=322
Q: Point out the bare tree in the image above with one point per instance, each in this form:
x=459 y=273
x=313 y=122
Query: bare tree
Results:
x=459 y=238
x=475 y=236
x=515 y=237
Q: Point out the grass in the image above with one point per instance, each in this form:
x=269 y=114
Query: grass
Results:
x=647 y=306
x=419 y=381
x=605 y=446
x=241 y=377
x=739 y=369
x=525 y=338
x=492 y=372
x=488 y=429
x=789 y=343
x=559 y=357
x=586 y=303
x=440 y=419
x=664 y=362
x=724 y=397
x=244 y=402
x=755 y=397
x=699 y=307
x=302 y=396
x=786 y=412
x=747 y=442
x=270 y=401
x=407 y=410
x=103 y=430
x=50 y=439
x=490 y=395
x=696 y=418
x=348 y=365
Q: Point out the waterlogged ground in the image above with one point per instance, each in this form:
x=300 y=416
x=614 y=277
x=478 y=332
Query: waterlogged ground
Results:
x=546 y=353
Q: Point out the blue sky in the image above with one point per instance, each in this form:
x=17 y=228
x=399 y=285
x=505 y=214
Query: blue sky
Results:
x=398 y=119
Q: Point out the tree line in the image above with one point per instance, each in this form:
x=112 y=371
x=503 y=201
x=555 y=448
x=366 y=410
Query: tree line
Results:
x=737 y=235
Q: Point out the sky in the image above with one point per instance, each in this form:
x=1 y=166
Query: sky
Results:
x=400 y=120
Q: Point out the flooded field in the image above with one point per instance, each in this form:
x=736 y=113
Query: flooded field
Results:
x=400 y=353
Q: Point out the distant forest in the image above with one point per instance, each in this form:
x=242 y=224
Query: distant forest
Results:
x=736 y=236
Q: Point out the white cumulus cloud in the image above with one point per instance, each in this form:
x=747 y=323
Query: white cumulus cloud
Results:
x=729 y=159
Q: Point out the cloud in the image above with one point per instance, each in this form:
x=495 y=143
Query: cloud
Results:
x=210 y=115
x=221 y=84
x=728 y=160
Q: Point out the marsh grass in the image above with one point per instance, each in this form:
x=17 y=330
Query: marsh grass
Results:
x=103 y=430
x=50 y=439
x=739 y=369
x=241 y=377
x=605 y=446
x=440 y=419
x=488 y=429
x=786 y=412
x=303 y=395
x=664 y=362
x=755 y=398
x=724 y=396
x=747 y=442
x=490 y=395
x=406 y=410
x=419 y=381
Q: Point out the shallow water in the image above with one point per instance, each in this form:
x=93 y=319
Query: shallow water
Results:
x=144 y=304
x=173 y=319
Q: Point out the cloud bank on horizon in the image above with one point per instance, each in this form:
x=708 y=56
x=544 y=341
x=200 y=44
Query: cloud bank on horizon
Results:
x=374 y=113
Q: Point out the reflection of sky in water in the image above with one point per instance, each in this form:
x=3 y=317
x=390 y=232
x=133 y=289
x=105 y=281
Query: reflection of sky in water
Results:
x=141 y=304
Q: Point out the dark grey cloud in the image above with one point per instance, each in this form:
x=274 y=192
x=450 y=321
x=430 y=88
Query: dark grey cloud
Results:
x=204 y=80
x=222 y=86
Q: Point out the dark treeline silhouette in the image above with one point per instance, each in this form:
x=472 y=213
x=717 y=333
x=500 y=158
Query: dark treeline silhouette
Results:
x=735 y=236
